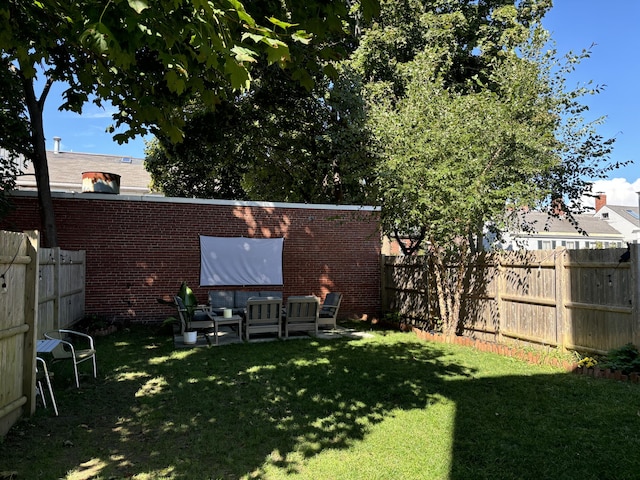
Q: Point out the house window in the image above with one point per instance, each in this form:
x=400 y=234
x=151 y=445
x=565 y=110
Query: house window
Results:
x=571 y=245
x=605 y=215
x=544 y=244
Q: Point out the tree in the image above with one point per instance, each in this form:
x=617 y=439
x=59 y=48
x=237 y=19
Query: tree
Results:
x=145 y=59
x=472 y=125
x=288 y=138
x=278 y=142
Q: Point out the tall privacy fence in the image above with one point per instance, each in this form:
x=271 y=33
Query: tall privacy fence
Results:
x=40 y=289
x=584 y=300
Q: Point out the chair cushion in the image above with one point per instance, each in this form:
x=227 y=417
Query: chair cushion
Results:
x=241 y=297
x=221 y=298
x=200 y=316
x=273 y=294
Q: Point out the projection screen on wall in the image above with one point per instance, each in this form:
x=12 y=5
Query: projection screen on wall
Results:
x=240 y=261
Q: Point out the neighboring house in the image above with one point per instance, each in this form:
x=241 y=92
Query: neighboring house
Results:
x=625 y=220
x=549 y=233
x=66 y=169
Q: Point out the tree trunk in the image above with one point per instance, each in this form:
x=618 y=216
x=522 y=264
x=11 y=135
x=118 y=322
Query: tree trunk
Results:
x=39 y=159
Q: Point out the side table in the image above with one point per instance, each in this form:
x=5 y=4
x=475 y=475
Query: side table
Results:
x=219 y=320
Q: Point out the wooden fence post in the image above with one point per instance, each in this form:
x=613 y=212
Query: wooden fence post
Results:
x=634 y=250
x=500 y=284
x=560 y=275
x=383 y=283
x=32 y=241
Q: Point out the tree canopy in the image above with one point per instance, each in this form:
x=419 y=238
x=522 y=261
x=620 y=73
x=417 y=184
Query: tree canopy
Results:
x=147 y=58
x=278 y=142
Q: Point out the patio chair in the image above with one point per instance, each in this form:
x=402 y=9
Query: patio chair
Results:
x=197 y=319
x=302 y=315
x=75 y=346
x=263 y=315
x=43 y=375
x=329 y=310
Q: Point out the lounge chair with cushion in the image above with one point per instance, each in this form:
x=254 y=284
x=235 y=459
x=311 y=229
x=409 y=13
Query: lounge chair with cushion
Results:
x=192 y=319
x=302 y=315
x=263 y=315
x=329 y=310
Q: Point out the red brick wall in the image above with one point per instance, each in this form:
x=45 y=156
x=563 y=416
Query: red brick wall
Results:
x=139 y=249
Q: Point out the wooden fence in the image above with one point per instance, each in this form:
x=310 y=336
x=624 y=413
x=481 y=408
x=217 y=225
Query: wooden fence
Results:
x=18 y=314
x=583 y=300
x=40 y=289
x=62 y=288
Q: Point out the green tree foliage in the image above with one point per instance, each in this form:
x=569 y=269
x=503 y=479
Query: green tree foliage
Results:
x=146 y=59
x=472 y=121
x=293 y=136
x=13 y=131
x=278 y=142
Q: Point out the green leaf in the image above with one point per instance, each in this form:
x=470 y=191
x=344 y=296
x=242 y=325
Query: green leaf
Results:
x=282 y=24
x=253 y=36
x=243 y=54
x=302 y=37
x=330 y=71
x=279 y=54
x=303 y=77
x=138 y=5
x=242 y=13
x=238 y=74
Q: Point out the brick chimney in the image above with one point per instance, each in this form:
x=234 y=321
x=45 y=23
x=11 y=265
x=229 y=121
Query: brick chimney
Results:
x=601 y=200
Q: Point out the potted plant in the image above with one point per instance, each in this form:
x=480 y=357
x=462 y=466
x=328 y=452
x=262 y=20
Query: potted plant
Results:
x=190 y=303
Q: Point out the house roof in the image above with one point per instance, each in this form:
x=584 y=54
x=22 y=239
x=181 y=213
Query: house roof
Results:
x=66 y=168
x=547 y=226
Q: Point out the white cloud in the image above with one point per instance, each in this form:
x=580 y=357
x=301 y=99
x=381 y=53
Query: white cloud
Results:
x=619 y=191
x=97 y=112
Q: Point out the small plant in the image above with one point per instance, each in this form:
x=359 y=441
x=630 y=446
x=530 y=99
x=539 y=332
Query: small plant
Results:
x=625 y=359
x=588 y=362
x=393 y=317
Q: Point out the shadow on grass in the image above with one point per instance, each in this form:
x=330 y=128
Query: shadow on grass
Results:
x=230 y=412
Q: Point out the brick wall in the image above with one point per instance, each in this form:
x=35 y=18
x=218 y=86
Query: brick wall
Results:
x=139 y=249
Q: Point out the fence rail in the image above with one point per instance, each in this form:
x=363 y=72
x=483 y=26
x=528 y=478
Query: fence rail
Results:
x=585 y=300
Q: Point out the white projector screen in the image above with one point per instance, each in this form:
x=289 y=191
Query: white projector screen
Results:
x=240 y=261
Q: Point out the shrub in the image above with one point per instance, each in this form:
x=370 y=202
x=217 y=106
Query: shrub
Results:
x=625 y=359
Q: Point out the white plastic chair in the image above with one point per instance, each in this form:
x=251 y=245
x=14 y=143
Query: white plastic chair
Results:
x=42 y=374
x=75 y=346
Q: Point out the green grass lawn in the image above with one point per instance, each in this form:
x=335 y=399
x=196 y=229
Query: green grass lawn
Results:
x=387 y=407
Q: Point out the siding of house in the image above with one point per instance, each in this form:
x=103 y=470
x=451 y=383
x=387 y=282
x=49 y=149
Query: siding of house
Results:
x=619 y=218
x=139 y=249
x=559 y=232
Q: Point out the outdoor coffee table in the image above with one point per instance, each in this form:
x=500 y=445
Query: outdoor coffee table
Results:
x=219 y=320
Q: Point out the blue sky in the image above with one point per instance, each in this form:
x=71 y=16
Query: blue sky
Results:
x=574 y=25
